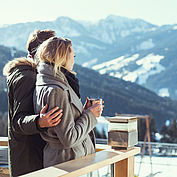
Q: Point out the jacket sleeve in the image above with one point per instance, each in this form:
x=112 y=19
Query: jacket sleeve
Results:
x=69 y=131
x=23 y=122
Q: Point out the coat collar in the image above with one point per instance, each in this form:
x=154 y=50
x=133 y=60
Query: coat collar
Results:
x=46 y=76
x=18 y=70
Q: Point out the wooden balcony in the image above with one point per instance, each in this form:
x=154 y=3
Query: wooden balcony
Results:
x=121 y=162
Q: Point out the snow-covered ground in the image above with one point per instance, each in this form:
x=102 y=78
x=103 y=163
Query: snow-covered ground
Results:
x=161 y=166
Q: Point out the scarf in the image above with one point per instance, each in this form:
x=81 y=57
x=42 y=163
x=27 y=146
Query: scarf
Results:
x=72 y=80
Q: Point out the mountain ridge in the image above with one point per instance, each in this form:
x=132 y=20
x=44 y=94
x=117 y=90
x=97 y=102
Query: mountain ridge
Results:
x=112 y=38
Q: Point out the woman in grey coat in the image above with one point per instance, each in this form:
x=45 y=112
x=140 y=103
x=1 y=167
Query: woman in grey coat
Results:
x=73 y=137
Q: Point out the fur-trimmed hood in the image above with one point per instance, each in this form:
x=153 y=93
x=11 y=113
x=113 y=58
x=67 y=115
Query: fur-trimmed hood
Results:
x=8 y=68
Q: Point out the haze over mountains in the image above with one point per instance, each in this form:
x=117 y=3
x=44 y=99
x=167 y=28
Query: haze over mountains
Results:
x=131 y=49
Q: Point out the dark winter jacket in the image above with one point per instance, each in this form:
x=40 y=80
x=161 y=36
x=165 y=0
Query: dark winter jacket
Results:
x=25 y=143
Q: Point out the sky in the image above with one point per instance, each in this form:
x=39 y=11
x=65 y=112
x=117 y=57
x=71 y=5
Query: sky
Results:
x=157 y=12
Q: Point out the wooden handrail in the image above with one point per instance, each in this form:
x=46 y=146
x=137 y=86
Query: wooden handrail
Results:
x=92 y=162
x=123 y=161
x=3 y=141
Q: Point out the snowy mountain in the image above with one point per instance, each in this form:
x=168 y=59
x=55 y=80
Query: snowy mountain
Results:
x=151 y=61
x=112 y=28
x=134 y=68
x=131 y=49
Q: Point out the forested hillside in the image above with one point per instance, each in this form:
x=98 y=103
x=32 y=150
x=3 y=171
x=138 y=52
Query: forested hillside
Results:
x=119 y=96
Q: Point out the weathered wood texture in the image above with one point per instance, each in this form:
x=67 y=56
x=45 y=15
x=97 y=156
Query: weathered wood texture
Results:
x=122 y=138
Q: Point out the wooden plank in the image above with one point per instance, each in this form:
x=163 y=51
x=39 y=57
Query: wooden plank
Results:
x=3 y=141
x=95 y=161
x=125 y=168
x=121 y=119
x=47 y=172
x=101 y=147
x=122 y=138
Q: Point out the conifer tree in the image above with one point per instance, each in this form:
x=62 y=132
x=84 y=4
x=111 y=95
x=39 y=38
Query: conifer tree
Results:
x=169 y=133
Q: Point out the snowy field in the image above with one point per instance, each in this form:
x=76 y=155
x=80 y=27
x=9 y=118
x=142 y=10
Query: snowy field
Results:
x=161 y=166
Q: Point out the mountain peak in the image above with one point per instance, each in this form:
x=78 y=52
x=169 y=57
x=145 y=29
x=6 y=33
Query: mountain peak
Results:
x=116 y=17
x=63 y=18
x=121 y=19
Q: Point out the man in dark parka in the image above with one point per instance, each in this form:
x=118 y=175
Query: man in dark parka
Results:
x=25 y=149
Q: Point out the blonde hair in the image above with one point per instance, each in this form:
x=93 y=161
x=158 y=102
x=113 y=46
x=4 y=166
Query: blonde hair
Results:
x=36 y=38
x=56 y=51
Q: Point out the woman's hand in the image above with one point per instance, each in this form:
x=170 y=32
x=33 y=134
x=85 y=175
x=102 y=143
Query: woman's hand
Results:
x=97 y=109
x=51 y=118
x=87 y=103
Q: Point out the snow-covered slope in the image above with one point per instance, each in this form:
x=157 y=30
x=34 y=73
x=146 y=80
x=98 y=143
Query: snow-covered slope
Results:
x=122 y=67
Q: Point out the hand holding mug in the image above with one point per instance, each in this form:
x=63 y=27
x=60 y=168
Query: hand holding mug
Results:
x=96 y=107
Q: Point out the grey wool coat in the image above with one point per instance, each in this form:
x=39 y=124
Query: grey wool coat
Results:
x=71 y=138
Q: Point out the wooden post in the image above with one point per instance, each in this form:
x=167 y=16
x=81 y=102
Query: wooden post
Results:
x=125 y=168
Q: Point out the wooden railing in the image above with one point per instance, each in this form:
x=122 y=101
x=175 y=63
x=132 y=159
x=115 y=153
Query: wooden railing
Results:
x=3 y=141
x=121 y=161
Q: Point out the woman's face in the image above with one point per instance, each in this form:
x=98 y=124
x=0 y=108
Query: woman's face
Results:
x=70 y=61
